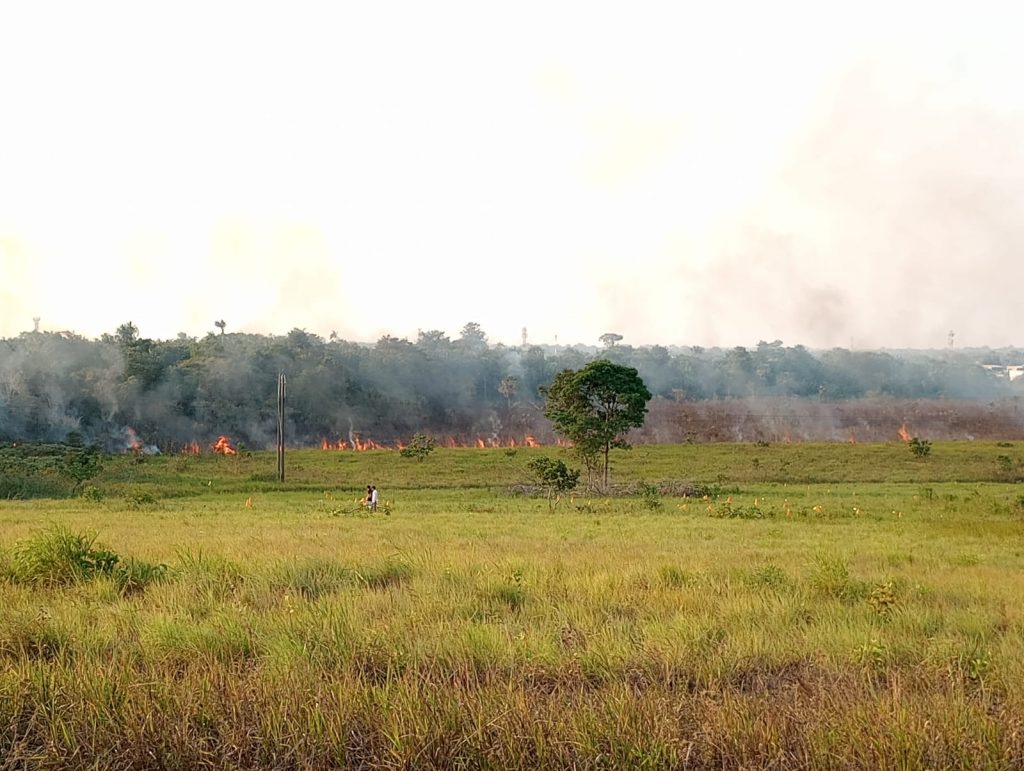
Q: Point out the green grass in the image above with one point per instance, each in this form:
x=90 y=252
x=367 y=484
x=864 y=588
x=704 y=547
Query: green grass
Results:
x=745 y=464
x=835 y=617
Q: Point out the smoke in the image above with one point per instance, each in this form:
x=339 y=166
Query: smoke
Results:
x=139 y=393
x=54 y=385
x=898 y=213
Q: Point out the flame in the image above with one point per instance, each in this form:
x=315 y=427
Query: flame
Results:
x=191 y=448
x=133 y=441
x=365 y=444
x=904 y=434
x=853 y=438
x=359 y=444
x=223 y=446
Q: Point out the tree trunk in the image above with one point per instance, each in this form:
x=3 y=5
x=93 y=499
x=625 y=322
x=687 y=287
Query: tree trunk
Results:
x=607 y=449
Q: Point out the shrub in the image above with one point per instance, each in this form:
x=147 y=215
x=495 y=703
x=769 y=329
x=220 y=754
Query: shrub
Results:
x=920 y=447
x=419 y=447
x=554 y=476
x=91 y=493
x=650 y=496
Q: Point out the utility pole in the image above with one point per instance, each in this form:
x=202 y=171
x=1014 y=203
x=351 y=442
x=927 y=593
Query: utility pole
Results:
x=281 y=383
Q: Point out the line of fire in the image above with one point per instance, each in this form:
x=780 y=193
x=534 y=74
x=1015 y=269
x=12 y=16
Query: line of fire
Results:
x=356 y=443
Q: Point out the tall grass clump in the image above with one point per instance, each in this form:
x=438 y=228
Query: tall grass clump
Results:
x=58 y=557
x=830 y=577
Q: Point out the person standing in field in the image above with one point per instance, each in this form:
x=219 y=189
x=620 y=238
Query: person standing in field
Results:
x=373 y=497
x=368 y=501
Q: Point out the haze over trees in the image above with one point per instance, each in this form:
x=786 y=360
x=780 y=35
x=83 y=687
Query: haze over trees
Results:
x=125 y=387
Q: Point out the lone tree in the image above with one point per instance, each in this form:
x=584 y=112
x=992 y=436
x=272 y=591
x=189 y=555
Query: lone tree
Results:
x=594 y=407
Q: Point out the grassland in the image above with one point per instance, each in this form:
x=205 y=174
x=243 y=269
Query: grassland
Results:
x=814 y=606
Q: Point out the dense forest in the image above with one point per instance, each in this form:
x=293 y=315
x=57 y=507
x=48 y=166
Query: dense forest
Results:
x=125 y=390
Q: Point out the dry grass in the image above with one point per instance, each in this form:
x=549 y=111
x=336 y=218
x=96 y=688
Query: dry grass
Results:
x=847 y=625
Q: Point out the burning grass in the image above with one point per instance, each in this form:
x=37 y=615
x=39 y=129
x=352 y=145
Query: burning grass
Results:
x=861 y=626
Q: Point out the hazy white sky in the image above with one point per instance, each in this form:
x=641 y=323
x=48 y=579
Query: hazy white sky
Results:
x=680 y=173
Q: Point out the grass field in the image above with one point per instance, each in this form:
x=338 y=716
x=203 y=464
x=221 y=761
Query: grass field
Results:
x=814 y=606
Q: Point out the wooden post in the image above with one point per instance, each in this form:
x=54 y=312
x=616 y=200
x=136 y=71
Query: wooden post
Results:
x=281 y=381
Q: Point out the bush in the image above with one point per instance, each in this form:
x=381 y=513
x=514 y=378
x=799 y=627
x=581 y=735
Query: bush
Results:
x=651 y=496
x=419 y=447
x=554 y=476
x=920 y=447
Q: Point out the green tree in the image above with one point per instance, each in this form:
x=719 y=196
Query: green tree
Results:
x=594 y=407
x=554 y=476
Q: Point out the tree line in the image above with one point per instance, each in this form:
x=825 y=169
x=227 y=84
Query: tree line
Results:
x=125 y=389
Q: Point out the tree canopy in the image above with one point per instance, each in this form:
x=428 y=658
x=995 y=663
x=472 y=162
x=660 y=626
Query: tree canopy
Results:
x=594 y=407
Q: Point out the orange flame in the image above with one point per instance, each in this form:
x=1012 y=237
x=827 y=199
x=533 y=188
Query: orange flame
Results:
x=904 y=433
x=223 y=446
x=853 y=438
x=133 y=441
x=451 y=441
x=366 y=444
x=191 y=448
x=327 y=444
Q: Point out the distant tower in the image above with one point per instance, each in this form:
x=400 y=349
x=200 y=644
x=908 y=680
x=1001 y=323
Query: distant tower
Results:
x=36 y=320
x=951 y=336
x=524 y=337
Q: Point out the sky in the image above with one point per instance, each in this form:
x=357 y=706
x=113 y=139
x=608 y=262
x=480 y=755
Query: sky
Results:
x=680 y=173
